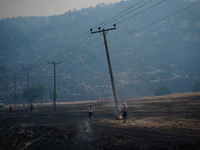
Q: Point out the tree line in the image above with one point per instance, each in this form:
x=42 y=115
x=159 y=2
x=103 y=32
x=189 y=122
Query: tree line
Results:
x=164 y=90
x=37 y=92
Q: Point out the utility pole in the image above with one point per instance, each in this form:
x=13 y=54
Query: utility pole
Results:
x=54 y=63
x=109 y=62
x=5 y=89
x=14 y=76
x=27 y=69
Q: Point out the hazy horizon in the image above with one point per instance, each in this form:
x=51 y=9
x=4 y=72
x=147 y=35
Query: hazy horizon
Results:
x=12 y=8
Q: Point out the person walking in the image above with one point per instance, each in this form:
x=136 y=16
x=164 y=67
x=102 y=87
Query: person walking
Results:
x=10 y=109
x=31 y=107
x=90 y=112
x=124 y=112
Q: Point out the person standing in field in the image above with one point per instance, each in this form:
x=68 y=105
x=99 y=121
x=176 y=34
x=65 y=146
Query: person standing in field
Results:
x=31 y=107
x=124 y=112
x=10 y=109
x=90 y=112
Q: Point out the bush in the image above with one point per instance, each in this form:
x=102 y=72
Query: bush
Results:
x=163 y=90
x=196 y=86
x=33 y=93
x=51 y=94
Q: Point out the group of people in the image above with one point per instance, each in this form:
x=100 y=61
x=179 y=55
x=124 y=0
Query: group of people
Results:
x=90 y=111
x=123 y=111
x=31 y=108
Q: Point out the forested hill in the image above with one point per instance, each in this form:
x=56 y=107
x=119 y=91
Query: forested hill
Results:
x=155 y=43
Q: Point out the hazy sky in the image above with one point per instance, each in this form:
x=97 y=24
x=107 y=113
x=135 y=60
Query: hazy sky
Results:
x=10 y=8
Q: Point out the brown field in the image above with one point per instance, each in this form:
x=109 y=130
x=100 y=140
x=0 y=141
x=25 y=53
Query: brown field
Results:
x=164 y=122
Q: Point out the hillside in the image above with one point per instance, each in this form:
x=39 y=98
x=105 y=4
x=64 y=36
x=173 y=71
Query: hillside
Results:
x=152 y=53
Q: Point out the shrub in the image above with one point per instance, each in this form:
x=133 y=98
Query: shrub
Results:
x=162 y=90
x=196 y=86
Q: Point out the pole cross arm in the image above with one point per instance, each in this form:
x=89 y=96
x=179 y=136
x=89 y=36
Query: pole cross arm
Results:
x=103 y=30
x=52 y=62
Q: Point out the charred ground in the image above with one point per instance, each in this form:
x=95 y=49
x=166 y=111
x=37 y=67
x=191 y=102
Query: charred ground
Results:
x=164 y=122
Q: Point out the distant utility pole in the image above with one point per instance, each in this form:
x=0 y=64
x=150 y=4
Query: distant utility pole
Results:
x=109 y=63
x=54 y=63
x=27 y=69
x=5 y=89
x=14 y=76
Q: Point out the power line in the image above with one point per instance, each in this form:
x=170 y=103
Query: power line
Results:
x=77 y=45
x=68 y=49
x=129 y=12
x=41 y=64
x=62 y=55
x=156 y=21
x=89 y=43
x=109 y=22
x=140 y=12
x=118 y=14
x=102 y=23
x=129 y=32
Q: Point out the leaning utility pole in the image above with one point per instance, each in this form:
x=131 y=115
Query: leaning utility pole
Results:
x=109 y=63
x=27 y=69
x=14 y=76
x=52 y=62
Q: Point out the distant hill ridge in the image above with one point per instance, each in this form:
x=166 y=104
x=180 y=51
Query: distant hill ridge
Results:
x=164 y=53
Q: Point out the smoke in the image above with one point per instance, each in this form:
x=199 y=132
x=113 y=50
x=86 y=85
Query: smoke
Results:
x=87 y=127
x=84 y=132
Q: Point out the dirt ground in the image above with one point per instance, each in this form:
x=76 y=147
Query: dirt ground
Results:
x=164 y=122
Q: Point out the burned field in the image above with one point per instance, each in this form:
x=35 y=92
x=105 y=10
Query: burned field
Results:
x=165 y=122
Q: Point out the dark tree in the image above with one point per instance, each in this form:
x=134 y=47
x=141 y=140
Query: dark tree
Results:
x=33 y=93
x=162 y=90
x=196 y=86
x=51 y=94
x=41 y=91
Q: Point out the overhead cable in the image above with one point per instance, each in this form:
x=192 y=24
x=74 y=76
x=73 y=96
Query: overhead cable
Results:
x=103 y=23
x=157 y=21
x=140 y=12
